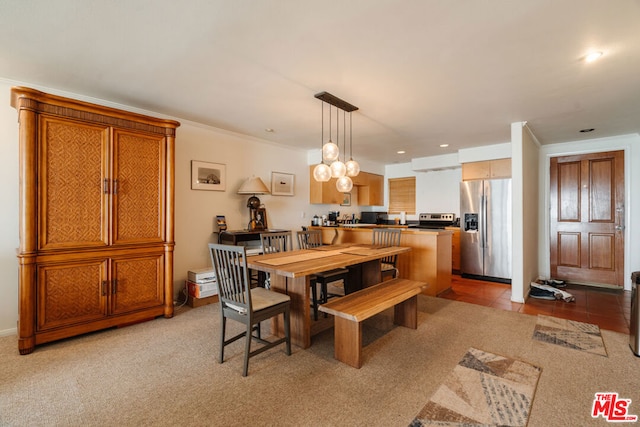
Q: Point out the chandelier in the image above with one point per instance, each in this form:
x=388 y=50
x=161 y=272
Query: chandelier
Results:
x=331 y=166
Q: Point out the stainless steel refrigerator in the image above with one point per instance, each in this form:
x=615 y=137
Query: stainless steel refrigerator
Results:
x=485 y=229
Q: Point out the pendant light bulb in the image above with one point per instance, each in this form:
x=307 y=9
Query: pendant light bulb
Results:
x=353 y=168
x=344 y=184
x=322 y=172
x=330 y=151
x=338 y=169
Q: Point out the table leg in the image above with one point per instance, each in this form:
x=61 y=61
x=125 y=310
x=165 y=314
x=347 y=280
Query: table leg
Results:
x=300 y=314
x=371 y=273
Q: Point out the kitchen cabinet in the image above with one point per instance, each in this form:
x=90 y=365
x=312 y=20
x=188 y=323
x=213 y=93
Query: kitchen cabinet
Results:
x=323 y=192
x=96 y=211
x=370 y=190
x=428 y=261
x=455 y=249
x=490 y=169
x=371 y=194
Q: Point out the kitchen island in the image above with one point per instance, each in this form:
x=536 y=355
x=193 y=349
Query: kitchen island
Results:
x=428 y=261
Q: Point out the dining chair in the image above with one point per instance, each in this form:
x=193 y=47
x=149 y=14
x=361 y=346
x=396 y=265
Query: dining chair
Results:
x=388 y=237
x=308 y=239
x=276 y=242
x=273 y=243
x=239 y=302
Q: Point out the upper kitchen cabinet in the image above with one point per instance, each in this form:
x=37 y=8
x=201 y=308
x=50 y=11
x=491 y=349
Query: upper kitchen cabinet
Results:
x=371 y=194
x=370 y=190
x=490 y=169
x=323 y=192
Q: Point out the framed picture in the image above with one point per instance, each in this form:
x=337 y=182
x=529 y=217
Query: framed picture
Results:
x=346 y=199
x=282 y=184
x=261 y=217
x=208 y=176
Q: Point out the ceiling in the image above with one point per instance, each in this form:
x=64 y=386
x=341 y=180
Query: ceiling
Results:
x=422 y=72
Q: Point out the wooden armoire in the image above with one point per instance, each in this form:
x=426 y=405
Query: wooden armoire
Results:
x=96 y=217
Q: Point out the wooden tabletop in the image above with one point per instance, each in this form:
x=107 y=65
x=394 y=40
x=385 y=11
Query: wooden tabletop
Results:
x=309 y=261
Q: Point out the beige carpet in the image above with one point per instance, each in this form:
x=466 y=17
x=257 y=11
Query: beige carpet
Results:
x=483 y=389
x=164 y=373
x=570 y=334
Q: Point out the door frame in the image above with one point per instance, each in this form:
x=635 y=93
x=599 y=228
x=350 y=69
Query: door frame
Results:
x=620 y=143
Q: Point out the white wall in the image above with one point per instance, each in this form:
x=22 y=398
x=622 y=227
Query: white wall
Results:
x=524 y=172
x=8 y=213
x=436 y=190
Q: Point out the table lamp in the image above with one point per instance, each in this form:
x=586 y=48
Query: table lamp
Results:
x=253 y=186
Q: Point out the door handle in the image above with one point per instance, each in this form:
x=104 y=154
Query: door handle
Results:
x=620 y=219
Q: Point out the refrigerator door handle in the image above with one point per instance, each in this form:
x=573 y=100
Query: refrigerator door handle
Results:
x=483 y=222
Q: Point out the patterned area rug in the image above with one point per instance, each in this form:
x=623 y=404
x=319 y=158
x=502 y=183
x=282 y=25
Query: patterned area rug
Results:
x=485 y=389
x=569 y=333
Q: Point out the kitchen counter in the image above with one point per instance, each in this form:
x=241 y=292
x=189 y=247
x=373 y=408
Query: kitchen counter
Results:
x=428 y=261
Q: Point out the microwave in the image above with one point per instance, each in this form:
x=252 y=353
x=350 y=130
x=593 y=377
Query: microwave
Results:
x=373 y=217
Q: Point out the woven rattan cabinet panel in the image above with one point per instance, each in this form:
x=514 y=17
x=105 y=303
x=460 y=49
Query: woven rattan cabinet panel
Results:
x=96 y=217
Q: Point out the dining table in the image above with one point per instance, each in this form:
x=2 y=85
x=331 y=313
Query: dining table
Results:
x=291 y=273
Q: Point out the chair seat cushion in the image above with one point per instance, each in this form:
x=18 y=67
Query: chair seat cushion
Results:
x=387 y=267
x=262 y=298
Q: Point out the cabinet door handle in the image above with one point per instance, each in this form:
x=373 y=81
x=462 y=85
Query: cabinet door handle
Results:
x=114 y=287
x=115 y=186
x=104 y=288
x=106 y=186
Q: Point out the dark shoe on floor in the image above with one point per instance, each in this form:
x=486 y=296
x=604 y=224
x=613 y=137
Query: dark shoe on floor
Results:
x=541 y=294
x=556 y=283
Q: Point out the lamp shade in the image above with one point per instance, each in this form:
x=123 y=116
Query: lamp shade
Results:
x=344 y=184
x=253 y=185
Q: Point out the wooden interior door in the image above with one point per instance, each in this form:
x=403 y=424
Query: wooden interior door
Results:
x=587 y=218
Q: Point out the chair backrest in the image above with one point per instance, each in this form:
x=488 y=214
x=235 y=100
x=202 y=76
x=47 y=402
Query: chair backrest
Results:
x=230 y=265
x=276 y=242
x=387 y=237
x=309 y=239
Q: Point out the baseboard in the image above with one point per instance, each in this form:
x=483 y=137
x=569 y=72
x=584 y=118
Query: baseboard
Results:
x=8 y=332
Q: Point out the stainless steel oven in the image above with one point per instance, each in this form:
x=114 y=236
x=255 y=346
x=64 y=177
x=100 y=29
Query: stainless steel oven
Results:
x=437 y=221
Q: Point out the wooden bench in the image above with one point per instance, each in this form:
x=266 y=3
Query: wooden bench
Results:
x=349 y=312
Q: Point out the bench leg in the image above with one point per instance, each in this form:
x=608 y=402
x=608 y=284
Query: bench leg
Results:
x=406 y=313
x=348 y=341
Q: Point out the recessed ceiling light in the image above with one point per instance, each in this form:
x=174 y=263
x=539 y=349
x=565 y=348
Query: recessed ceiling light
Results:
x=269 y=130
x=401 y=152
x=587 y=130
x=592 y=56
x=444 y=145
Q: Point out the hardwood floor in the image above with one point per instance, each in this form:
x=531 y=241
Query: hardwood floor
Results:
x=609 y=309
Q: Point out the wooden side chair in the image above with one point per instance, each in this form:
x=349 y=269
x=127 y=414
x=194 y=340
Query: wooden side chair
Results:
x=239 y=302
x=308 y=239
x=388 y=237
x=273 y=243
x=276 y=242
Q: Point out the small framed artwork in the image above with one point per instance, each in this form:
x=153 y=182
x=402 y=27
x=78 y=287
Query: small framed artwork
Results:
x=282 y=184
x=208 y=176
x=346 y=199
x=261 y=217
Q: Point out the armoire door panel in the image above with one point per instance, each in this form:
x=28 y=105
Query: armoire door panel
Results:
x=73 y=160
x=139 y=180
x=71 y=293
x=137 y=283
